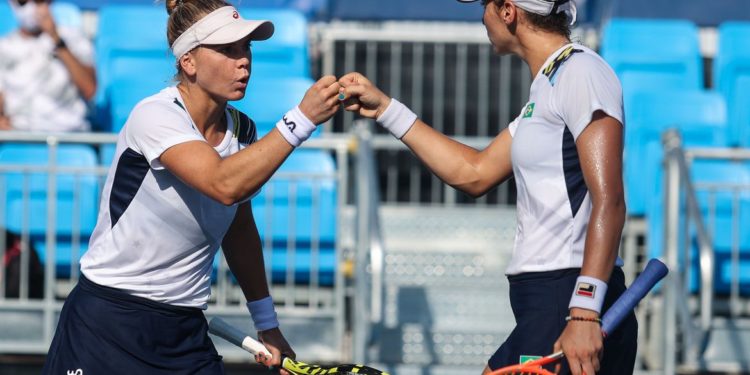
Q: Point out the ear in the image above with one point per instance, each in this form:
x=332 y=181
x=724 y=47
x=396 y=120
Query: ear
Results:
x=187 y=63
x=508 y=12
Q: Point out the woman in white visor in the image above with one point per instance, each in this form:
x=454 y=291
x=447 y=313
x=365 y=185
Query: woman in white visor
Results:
x=185 y=167
x=565 y=152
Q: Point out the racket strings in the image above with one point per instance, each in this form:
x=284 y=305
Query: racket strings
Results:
x=301 y=368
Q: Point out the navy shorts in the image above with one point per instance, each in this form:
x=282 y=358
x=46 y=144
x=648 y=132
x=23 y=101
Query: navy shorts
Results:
x=540 y=304
x=104 y=330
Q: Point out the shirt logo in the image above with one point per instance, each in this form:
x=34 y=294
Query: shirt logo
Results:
x=585 y=290
x=529 y=111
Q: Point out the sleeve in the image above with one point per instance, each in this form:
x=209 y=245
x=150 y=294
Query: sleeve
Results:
x=79 y=45
x=154 y=127
x=514 y=125
x=587 y=85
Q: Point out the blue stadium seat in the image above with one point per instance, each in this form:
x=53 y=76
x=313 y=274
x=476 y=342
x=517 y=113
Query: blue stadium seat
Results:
x=312 y=9
x=266 y=100
x=122 y=54
x=7 y=19
x=77 y=198
x=65 y=13
x=694 y=10
x=129 y=85
x=718 y=212
x=420 y=10
x=286 y=53
x=300 y=213
x=699 y=115
x=732 y=77
x=653 y=54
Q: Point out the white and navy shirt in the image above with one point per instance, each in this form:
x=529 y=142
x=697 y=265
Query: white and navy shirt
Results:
x=553 y=204
x=39 y=92
x=156 y=237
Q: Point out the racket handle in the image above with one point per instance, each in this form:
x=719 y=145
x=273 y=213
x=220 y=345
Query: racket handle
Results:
x=220 y=328
x=655 y=271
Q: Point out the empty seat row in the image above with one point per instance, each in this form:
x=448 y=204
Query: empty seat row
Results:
x=663 y=86
x=661 y=70
x=295 y=212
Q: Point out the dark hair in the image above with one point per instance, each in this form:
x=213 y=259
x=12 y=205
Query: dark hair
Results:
x=184 y=13
x=557 y=23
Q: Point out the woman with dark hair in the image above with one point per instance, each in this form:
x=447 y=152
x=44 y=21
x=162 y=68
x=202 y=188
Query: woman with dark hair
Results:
x=186 y=165
x=565 y=152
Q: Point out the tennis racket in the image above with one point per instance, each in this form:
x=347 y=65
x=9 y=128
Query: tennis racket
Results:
x=655 y=271
x=222 y=329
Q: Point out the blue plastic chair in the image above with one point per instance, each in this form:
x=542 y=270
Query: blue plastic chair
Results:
x=732 y=77
x=266 y=101
x=134 y=78
x=77 y=198
x=285 y=54
x=300 y=214
x=701 y=117
x=717 y=211
x=65 y=14
x=126 y=34
x=653 y=54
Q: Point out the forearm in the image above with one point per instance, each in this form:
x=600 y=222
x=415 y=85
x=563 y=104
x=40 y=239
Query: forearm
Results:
x=603 y=238
x=83 y=77
x=241 y=175
x=453 y=162
x=244 y=254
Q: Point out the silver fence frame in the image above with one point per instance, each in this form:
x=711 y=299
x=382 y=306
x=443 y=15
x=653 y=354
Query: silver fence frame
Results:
x=461 y=54
x=676 y=313
x=226 y=297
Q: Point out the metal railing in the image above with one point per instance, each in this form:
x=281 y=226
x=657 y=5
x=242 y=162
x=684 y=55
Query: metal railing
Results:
x=683 y=212
x=294 y=299
x=447 y=73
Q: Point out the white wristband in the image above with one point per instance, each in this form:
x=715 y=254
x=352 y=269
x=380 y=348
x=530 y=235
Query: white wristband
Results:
x=588 y=294
x=295 y=127
x=397 y=119
x=263 y=314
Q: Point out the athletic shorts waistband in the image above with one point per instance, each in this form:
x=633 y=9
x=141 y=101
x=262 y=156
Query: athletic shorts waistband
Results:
x=119 y=295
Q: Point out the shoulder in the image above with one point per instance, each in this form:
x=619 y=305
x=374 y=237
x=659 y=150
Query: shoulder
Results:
x=587 y=65
x=159 y=110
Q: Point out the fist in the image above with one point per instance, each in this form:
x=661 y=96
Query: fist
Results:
x=321 y=100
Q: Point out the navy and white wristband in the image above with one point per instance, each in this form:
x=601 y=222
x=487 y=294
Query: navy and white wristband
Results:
x=263 y=314
x=397 y=119
x=295 y=127
x=588 y=294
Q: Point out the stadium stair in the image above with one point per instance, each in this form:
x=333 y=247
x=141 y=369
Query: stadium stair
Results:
x=445 y=294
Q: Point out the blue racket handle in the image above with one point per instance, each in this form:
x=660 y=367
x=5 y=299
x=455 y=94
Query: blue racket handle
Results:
x=222 y=329
x=655 y=271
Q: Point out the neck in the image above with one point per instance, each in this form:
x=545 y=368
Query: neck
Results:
x=536 y=47
x=207 y=112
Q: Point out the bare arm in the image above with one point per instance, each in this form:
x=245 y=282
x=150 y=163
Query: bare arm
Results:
x=83 y=76
x=460 y=166
x=239 y=176
x=232 y=179
x=464 y=168
x=600 y=153
x=244 y=253
x=4 y=121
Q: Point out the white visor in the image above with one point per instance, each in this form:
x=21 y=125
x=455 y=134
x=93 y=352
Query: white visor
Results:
x=222 y=26
x=545 y=7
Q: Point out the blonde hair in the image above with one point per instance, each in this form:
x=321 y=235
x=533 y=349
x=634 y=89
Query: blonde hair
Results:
x=184 y=13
